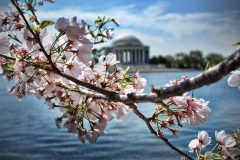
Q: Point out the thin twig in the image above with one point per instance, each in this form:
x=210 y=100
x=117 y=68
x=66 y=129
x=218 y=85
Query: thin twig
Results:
x=35 y=36
x=170 y=111
x=165 y=140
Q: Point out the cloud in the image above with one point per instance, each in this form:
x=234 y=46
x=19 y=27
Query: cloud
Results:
x=159 y=29
x=66 y=12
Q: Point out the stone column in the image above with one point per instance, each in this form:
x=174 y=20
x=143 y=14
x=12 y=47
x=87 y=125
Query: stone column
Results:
x=144 y=61
x=131 y=55
x=122 y=58
x=116 y=53
x=136 y=58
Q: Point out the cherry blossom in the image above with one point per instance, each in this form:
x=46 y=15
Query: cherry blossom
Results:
x=93 y=111
x=110 y=33
x=234 y=79
x=230 y=152
x=224 y=139
x=92 y=135
x=84 y=53
x=121 y=111
x=109 y=60
x=73 y=67
x=61 y=24
x=76 y=30
x=195 y=111
x=203 y=138
x=227 y=143
x=194 y=145
x=4 y=43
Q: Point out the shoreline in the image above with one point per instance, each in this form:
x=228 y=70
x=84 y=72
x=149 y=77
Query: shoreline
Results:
x=151 y=68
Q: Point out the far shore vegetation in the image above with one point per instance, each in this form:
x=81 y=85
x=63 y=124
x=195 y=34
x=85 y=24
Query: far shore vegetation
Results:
x=192 y=60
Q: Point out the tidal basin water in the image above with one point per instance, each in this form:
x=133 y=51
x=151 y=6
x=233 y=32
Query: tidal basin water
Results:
x=28 y=131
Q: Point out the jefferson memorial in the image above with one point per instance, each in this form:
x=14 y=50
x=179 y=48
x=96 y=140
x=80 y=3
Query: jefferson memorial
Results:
x=129 y=50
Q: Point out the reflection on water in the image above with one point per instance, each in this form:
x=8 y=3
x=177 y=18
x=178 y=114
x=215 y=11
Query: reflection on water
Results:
x=27 y=129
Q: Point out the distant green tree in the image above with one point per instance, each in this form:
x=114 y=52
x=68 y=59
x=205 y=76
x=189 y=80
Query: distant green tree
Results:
x=214 y=58
x=158 y=60
x=181 y=60
x=153 y=60
x=196 y=59
x=162 y=60
x=170 y=61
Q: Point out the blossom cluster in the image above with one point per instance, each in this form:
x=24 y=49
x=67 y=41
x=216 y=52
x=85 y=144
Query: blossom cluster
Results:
x=36 y=61
x=226 y=147
x=180 y=109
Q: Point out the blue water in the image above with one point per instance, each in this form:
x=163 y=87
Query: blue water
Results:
x=28 y=131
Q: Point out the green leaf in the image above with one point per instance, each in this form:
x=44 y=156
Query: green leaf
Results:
x=124 y=85
x=208 y=65
x=234 y=134
x=10 y=66
x=193 y=93
x=36 y=29
x=46 y=23
x=236 y=44
x=128 y=79
x=217 y=156
x=127 y=70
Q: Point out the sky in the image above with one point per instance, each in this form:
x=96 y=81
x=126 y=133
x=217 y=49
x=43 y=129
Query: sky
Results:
x=166 y=26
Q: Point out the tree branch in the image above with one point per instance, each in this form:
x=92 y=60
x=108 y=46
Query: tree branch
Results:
x=165 y=140
x=206 y=78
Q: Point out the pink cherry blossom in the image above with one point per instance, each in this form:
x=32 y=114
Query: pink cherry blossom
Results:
x=179 y=101
x=129 y=89
x=61 y=24
x=139 y=83
x=75 y=98
x=119 y=73
x=230 y=152
x=109 y=33
x=73 y=67
x=45 y=38
x=1 y=69
x=194 y=145
x=198 y=116
x=84 y=53
x=225 y=139
x=76 y=30
x=109 y=60
x=234 y=79
x=101 y=124
x=58 y=122
x=203 y=138
x=195 y=111
x=4 y=43
x=81 y=132
x=93 y=135
x=28 y=37
x=122 y=111
x=93 y=111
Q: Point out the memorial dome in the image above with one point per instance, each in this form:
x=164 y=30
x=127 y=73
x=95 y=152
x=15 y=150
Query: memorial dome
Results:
x=126 y=40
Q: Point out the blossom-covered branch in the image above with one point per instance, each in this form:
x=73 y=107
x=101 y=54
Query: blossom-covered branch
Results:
x=62 y=71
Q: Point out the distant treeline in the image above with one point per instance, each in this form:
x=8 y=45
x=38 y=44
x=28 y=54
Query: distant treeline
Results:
x=193 y=59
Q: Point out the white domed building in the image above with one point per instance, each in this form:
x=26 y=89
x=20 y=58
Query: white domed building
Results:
x=129 y=50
